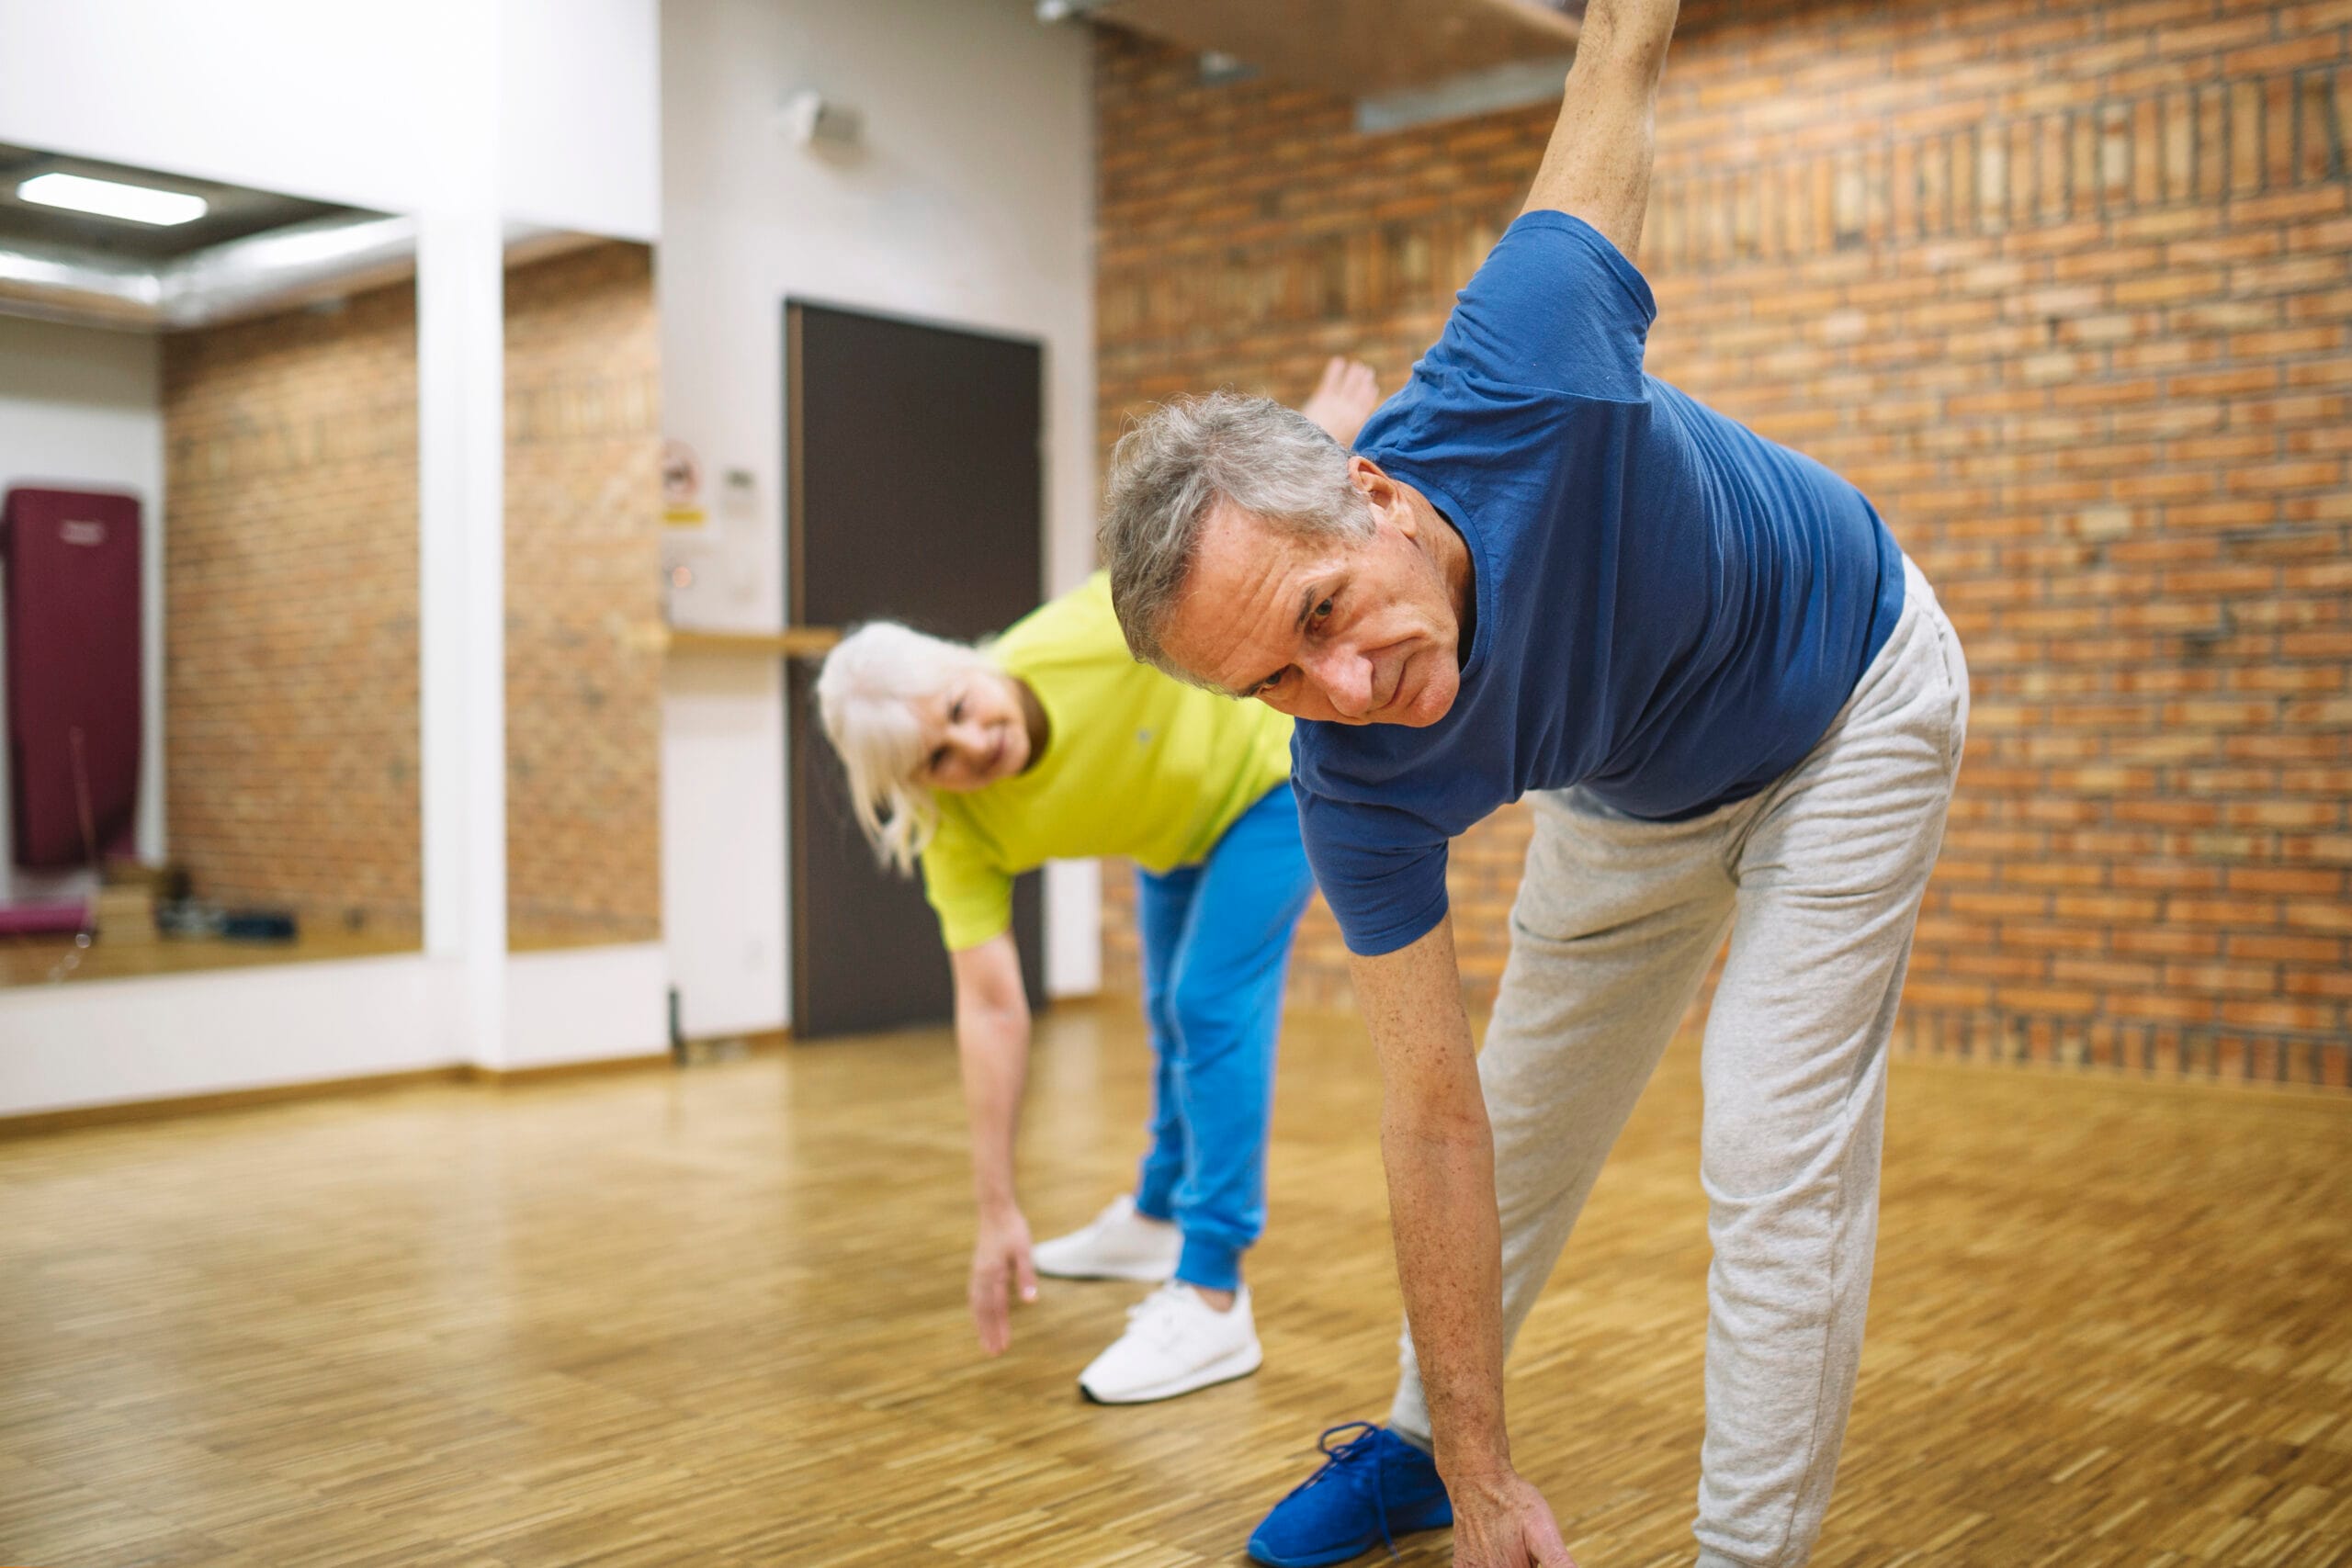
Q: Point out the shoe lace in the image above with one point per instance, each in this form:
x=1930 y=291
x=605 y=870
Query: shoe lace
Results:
x=1162 y=1312
x=1362 y=1448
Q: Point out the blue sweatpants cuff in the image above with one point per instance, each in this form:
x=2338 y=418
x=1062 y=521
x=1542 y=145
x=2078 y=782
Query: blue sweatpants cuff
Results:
x=1209 y=1265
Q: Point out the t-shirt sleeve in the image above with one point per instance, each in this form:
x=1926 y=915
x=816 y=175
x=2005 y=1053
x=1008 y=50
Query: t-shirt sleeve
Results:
x=1555 y=305
x=971 y=896
x=1381 y=870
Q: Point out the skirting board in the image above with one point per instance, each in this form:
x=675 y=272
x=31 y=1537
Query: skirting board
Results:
x=177 y=1036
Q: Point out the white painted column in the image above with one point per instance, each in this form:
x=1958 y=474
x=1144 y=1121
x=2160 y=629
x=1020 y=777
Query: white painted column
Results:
x=461 y=462
x=1073 y=928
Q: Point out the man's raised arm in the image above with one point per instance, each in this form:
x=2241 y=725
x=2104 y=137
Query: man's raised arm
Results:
x=1598 y=164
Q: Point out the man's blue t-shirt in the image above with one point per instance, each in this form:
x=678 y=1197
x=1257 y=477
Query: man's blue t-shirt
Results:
x=1669 y=609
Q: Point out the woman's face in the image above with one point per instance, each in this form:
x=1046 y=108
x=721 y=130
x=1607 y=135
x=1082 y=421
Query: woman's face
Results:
x=974 y=733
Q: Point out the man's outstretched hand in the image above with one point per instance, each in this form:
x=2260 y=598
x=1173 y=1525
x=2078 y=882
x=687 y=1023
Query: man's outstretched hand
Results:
x=1504 y=1522
x=1343 y=400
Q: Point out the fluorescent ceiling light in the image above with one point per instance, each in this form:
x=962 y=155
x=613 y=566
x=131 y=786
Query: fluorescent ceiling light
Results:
x=110 y=198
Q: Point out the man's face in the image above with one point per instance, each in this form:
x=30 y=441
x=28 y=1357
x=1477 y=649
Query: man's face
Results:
x=1353 y=631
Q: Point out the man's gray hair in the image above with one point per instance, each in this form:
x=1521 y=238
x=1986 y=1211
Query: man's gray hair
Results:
x=1169 y=473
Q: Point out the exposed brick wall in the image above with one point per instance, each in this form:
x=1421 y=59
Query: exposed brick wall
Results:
x=2065 y=286
x=289 y=613
x=583 y=508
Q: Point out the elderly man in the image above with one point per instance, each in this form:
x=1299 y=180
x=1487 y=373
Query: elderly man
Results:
x=1734 y=704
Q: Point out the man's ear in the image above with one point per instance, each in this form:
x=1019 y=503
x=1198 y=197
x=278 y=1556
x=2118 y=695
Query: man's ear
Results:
x=1382 y=492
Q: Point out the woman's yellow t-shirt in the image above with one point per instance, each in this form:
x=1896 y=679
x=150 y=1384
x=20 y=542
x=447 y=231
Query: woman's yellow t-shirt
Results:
x=1137 y=763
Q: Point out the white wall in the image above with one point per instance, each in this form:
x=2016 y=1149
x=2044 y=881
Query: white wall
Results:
x=165 y=1036
x=361 y=101
x=971 y=203
x=81 y=408
x=580 y=116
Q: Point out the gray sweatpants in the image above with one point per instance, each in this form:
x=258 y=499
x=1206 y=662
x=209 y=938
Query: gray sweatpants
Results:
x=1819 y=878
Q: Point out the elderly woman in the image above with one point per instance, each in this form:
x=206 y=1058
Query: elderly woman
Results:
x=1051 y=743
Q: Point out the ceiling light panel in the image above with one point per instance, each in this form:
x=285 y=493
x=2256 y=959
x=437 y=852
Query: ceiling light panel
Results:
x=111 y=199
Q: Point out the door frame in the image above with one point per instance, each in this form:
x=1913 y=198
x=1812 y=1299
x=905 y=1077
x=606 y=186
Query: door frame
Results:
x=1029 y=888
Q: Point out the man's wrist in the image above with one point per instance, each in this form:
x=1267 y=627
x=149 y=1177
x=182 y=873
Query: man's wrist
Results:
x=1471 y=1463
x=1489 y=1481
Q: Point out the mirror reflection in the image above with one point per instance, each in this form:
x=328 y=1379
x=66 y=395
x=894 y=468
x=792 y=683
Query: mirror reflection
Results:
x=208 y=455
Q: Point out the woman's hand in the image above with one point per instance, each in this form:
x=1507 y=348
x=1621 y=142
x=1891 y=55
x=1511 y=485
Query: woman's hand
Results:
x=1000 y=1261
x=1343 y=400
x=992 y=1044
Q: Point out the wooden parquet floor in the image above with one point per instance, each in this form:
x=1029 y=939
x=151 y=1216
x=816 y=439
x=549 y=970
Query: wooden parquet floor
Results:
x=715 y=1317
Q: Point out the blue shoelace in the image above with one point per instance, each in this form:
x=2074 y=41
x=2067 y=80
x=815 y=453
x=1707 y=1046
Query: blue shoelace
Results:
x=1359 y=1448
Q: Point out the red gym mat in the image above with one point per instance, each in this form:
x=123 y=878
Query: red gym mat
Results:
x=72 y=603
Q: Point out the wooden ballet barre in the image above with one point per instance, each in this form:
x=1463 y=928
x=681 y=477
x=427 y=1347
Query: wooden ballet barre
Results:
x=792 y=642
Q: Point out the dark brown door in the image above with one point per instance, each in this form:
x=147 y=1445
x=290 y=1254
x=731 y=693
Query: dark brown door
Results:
x=917 y=495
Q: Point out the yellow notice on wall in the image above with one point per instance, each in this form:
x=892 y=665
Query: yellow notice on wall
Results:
x=681 y=486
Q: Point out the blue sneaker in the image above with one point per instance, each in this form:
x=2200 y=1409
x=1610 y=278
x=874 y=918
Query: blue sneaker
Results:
x=1372 y=1489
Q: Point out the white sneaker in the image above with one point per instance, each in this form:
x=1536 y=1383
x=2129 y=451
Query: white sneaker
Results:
x=1117 y=1243
x=1175 y=1343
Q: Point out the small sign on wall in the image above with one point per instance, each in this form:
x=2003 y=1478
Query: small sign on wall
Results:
x=682 y=486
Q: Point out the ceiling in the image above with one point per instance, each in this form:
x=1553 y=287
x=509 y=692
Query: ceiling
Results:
x=236 y=211
x=1367 y=49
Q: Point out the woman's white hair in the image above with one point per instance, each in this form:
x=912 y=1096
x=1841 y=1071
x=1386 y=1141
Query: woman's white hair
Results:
x=866 y=694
